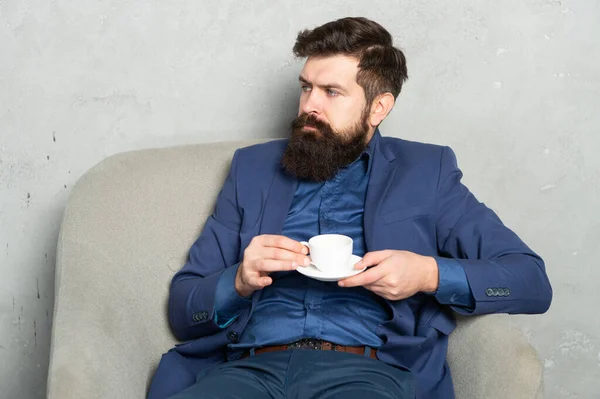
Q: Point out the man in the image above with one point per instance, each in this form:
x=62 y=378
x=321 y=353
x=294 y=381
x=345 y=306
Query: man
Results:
x=257 y=328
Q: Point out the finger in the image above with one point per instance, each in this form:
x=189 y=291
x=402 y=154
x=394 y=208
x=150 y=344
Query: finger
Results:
x=377 y=289
x=385 y=292
x=367 y=277
x=284 y=254
x=375 y=286
x=381 y=291
x=283 y=242
x=373 y=259
x=358 y=265
x=259 y=282
x=274 y=265
x=264 y=281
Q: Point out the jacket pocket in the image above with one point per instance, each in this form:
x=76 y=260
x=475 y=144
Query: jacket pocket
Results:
x=442 y=322
x=404 y=214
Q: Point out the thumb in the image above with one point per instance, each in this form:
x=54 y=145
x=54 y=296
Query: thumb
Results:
x=373 y=258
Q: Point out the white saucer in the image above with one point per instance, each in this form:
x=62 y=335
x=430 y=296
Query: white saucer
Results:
x=312 y=272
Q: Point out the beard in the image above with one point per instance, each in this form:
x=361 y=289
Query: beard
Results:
x=317 y=155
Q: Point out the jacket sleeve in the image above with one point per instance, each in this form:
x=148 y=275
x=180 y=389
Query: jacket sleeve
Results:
x=193 y=288
x=504 y=274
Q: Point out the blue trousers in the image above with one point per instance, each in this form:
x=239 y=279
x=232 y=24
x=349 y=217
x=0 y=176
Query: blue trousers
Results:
x=302 y=374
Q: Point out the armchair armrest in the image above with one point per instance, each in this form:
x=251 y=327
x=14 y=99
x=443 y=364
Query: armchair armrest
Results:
x=490 y=357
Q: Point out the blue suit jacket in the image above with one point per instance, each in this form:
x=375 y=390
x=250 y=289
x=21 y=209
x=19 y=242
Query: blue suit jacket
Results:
x=416 y=202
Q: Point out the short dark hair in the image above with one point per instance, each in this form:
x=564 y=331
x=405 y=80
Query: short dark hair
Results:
x=381 y=68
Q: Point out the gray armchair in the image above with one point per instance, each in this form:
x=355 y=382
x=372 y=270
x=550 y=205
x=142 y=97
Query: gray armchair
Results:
x=127 y=228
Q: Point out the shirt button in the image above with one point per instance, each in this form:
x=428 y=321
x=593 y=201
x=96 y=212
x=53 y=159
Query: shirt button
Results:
x=233 y=336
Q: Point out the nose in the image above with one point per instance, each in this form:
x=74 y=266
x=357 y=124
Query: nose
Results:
x=310 y=104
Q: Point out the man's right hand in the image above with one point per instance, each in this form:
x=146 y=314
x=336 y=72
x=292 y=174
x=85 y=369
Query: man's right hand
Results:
x=264 y=255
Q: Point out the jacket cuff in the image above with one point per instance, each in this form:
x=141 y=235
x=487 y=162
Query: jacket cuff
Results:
x=228 y=303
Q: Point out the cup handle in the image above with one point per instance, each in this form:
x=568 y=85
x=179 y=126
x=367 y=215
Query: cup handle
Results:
x=306 y=245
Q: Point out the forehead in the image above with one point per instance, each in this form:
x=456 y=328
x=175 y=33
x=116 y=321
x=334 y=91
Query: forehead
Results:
x=339 y=69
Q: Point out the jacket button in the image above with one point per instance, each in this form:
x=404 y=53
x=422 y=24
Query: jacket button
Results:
x=195 y=317
x=506 y=292
x=494 y=291
x=489 y=292
x=232 y=335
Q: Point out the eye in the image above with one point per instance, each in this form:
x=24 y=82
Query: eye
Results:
x=332 y=93
x=305 y=88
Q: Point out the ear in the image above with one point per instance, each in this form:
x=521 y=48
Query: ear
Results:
x=382 y=105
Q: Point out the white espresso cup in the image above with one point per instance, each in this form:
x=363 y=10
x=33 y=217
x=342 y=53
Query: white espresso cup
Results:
x=330 y=253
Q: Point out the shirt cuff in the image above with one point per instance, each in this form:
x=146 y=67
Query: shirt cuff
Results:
x=453 y=288
x=228 y=303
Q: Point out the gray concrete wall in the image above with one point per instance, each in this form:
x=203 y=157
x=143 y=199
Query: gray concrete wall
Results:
x=511 y=85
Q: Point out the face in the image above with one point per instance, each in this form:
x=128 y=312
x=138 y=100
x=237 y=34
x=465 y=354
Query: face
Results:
x=329 y=91
x=332 y=127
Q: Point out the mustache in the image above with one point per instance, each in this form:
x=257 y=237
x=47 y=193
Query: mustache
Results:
x=310 y=120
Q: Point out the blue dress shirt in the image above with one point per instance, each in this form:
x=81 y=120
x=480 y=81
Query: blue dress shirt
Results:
x=295 y=306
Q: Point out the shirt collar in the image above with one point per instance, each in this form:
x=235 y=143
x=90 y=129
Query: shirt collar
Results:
x=366 y=157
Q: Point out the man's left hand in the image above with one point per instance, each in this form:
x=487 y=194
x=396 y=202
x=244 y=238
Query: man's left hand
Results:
x=395 y=275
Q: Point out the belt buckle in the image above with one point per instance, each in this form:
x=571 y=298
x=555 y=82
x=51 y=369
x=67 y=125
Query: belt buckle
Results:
x=314 y=344
x=317 y=344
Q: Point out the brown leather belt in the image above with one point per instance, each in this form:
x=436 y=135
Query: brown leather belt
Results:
x=315 y=344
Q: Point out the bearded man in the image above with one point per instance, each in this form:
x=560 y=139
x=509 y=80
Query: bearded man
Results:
x=258 y=320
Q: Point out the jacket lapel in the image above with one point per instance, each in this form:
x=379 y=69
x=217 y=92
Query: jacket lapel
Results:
x=277 y=205
x=382 y=174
